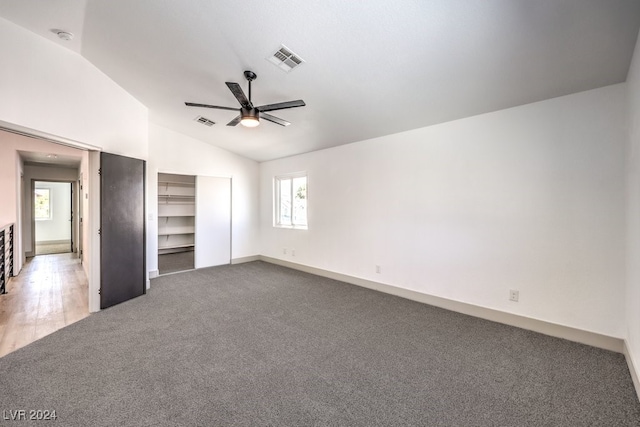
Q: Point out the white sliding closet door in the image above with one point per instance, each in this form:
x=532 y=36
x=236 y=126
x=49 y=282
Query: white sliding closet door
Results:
x=213 y=221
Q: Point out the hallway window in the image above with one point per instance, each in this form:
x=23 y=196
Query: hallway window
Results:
x=42 y=203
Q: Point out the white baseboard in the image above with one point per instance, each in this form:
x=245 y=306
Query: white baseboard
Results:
x=53 y=242
x=560 y=331
x=152 y=275
x=635 y=374
x=245 y=259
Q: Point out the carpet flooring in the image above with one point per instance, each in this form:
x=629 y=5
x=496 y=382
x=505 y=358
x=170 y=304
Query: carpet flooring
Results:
x=259 y=344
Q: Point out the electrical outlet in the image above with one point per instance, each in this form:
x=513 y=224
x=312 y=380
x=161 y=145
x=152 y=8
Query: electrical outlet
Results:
x=514 y=295
x=284 y=251
x=378 y=269
x=293 y=252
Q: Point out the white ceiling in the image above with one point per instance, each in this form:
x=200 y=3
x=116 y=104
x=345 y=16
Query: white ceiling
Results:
x=372 y=68
x=50 y=159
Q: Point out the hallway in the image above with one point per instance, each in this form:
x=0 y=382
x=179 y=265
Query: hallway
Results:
x=50 y=293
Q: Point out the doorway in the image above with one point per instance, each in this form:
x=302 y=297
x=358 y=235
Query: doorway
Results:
x=53 y=217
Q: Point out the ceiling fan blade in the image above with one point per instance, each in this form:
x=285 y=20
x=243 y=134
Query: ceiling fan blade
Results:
x=191 y=104
x=239 y=94
x=274 y=119
x=234 y=121
x=282 y=105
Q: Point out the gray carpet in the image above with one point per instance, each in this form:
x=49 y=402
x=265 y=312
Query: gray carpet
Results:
x=258 y=344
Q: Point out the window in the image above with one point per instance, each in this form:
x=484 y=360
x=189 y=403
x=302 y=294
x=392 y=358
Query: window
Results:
x=42 y=204
x=291 y=201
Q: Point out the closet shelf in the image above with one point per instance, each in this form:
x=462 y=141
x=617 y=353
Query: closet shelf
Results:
x=175 y=230
x=176 y=196
x=186 y=245
x=173 y=200
x=176 y=184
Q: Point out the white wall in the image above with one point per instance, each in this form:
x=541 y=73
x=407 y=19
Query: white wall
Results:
x=173 y=152
x=633 y=214
x=58 y=227
x=529 y=198
x=50 y=89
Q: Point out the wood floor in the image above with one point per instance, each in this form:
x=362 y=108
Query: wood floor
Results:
x=49 y=293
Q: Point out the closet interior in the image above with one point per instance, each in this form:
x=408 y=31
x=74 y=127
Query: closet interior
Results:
x=176 y=222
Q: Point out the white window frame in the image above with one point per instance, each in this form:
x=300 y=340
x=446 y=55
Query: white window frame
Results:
x=276 y=200
x=50 y=217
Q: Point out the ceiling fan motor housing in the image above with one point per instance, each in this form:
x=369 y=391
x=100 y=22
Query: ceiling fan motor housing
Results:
x=249 y=113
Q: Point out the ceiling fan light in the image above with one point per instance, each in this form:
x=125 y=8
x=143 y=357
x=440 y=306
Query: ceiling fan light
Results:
x=249 y=117
x=249 y=121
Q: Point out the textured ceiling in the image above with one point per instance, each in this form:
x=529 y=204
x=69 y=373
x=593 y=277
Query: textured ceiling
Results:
x=372 y=68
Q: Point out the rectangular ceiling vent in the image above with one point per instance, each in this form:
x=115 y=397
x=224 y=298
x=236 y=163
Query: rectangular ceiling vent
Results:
x=285 y=59
x=205 y=121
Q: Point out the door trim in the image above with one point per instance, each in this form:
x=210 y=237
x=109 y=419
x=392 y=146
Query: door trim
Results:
x=33 y=218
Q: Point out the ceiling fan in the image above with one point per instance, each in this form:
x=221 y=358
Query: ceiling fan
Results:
x=250 y=115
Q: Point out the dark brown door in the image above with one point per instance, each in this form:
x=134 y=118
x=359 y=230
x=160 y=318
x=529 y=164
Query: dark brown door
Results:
x=122 y=229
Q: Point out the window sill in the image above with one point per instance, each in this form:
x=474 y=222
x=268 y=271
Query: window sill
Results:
x=292 y=227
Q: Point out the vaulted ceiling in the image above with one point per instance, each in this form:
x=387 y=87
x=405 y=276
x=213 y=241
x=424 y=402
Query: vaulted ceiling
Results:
x=371 y=68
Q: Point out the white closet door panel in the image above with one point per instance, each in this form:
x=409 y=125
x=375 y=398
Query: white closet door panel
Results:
x=213 y=221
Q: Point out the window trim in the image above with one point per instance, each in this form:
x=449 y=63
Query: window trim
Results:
x=276 y=200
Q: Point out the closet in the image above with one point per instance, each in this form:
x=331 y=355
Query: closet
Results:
x=176 y=222
x=194 y=222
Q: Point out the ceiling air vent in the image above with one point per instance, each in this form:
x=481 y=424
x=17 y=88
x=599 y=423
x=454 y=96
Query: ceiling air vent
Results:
x=205 y=121
x=285 y=59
